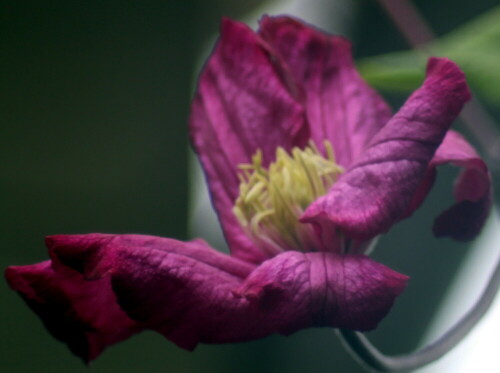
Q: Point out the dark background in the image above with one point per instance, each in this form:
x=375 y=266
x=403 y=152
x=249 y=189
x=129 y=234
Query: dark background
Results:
x=94 y=101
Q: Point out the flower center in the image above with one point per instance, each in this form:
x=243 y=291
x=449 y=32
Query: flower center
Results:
x=272 y=200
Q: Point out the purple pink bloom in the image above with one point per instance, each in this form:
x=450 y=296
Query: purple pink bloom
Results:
x=306 y=166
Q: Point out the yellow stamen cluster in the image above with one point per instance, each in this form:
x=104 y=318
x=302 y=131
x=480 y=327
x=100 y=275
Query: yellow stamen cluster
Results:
x=272 y=200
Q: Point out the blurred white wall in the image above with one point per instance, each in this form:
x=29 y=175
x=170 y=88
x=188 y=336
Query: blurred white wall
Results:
x=479 y=352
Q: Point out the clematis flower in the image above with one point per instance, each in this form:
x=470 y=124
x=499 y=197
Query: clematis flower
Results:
x=306 y=166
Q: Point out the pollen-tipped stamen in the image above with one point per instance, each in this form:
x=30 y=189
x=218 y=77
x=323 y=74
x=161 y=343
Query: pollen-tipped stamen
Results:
x=272 y=200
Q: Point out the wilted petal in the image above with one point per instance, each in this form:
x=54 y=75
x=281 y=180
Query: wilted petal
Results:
x=81 y=313
x=472 y=191
x=378 y=189
x=241 y=105
x=191 y=294
x=295 y=290
x=340 y=106
x=182 y=290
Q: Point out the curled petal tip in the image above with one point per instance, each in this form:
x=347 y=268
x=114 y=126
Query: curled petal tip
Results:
x=462 y=221
x=450 y=74
x=82 y=314
x=472 y=190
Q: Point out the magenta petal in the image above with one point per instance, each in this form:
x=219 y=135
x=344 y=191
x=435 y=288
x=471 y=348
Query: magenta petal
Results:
x=241 y=105
x=182 y=290
x=191 y=293
x=378 y=189
x=83 y=314
x=340 y=106
x=473 y=190
x=295 y=290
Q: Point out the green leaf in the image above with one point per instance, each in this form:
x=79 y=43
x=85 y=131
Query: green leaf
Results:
x=475 y=46
x=394 y=72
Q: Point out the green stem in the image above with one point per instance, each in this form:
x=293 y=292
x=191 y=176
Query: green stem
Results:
x=372 y=358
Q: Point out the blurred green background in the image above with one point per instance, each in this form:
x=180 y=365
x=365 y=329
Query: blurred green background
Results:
x=95 y=99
